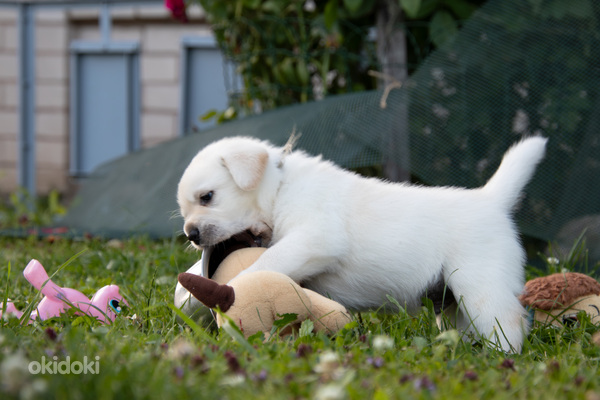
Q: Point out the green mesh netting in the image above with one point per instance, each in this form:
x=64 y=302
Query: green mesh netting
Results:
x=517 y=67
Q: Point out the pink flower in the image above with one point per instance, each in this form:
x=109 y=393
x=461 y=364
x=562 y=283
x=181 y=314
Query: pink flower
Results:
x=177 y=8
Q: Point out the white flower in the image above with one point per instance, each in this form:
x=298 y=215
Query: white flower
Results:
x=310 y=6
x=229 y=112
x=522 y=89
x=552 y=260
x=330 y=392
x=383 y=343
x=450 y=337
x=164 y=280
x=440 y=111
x=14 y=373
x=328 y=363
x=33 y=390
x=181 y=348
x=520 y=122
x=134 y=318
x=437 y=74
x=233 y=380
x=115 y=244
x=448 y=91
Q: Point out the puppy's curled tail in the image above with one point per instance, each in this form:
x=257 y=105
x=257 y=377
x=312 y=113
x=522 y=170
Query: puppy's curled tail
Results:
x=515 y=171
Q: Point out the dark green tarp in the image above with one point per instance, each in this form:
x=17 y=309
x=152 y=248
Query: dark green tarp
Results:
x=516 y=68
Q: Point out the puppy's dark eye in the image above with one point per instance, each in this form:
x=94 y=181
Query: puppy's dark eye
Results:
x=206 y=198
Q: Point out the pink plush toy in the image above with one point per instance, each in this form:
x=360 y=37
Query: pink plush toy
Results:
x=104 y=305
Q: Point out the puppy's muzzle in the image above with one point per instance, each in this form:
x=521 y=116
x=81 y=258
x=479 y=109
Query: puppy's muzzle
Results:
x=194 y=236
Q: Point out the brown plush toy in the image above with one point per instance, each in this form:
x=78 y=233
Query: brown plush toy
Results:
x=558 y=298
x=254 y=301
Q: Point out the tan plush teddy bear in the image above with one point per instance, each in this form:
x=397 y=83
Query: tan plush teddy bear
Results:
x=254 y=301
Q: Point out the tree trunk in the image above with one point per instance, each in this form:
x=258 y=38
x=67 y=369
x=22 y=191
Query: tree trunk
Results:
x=391 y=52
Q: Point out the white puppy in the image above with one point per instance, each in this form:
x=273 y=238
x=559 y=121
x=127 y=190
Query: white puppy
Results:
x=358 y=240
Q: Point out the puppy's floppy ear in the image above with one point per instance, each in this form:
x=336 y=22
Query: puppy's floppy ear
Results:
x=247 y=166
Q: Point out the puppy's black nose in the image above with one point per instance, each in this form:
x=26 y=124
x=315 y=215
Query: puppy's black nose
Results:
x=194 y=236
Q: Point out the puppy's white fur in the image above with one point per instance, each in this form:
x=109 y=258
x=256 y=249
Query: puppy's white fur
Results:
x=359 y=239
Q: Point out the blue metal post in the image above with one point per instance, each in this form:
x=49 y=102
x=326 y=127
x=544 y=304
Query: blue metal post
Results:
x=105 y=24
x=27 y=99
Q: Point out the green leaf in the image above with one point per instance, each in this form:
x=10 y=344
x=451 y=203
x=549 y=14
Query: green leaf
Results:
x=192 y=324
x=258 y=337
x=273 y=7
x=558 y=9
x=208 y=115
x=442 y=27
x=352 y=5
x=411 y=7
x=278 y=74
x=252 y=4
x=351 y=325
x=427 y=8
x=302 y=72
x=420 y=342
x=306 y=328
x=219 y=10
x=287 y=71
x=285 y=320
x=394 y=302
x=380 y=395
x=236 y=334
x=450 y=338
x=461 y=8
x=84 y=320
x=364 y=8
x=330 y=14
x=581 y=8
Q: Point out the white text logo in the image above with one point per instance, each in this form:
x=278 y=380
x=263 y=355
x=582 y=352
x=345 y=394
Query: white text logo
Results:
x=54 y=366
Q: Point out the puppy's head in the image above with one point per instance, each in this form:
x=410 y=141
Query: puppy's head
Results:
x=218 y=192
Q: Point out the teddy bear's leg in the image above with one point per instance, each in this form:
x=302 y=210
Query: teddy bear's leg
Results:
x=207 y=291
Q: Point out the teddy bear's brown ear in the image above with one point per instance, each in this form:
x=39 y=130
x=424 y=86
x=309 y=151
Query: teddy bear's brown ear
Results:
x=209 y=292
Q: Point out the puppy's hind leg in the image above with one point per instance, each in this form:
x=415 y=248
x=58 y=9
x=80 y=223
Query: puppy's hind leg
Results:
x=489 y=308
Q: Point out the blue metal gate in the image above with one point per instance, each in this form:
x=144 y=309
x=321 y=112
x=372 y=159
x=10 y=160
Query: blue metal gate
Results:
x=104 y=103
x=203 y=86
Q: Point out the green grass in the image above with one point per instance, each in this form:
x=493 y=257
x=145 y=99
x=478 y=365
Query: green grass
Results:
x=148 y=354
x=20 y=209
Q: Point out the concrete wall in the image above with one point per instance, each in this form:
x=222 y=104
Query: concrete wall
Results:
x=9 y=100
x=160 y=41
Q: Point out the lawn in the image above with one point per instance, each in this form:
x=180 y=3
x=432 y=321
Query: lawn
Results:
x=148 y=354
